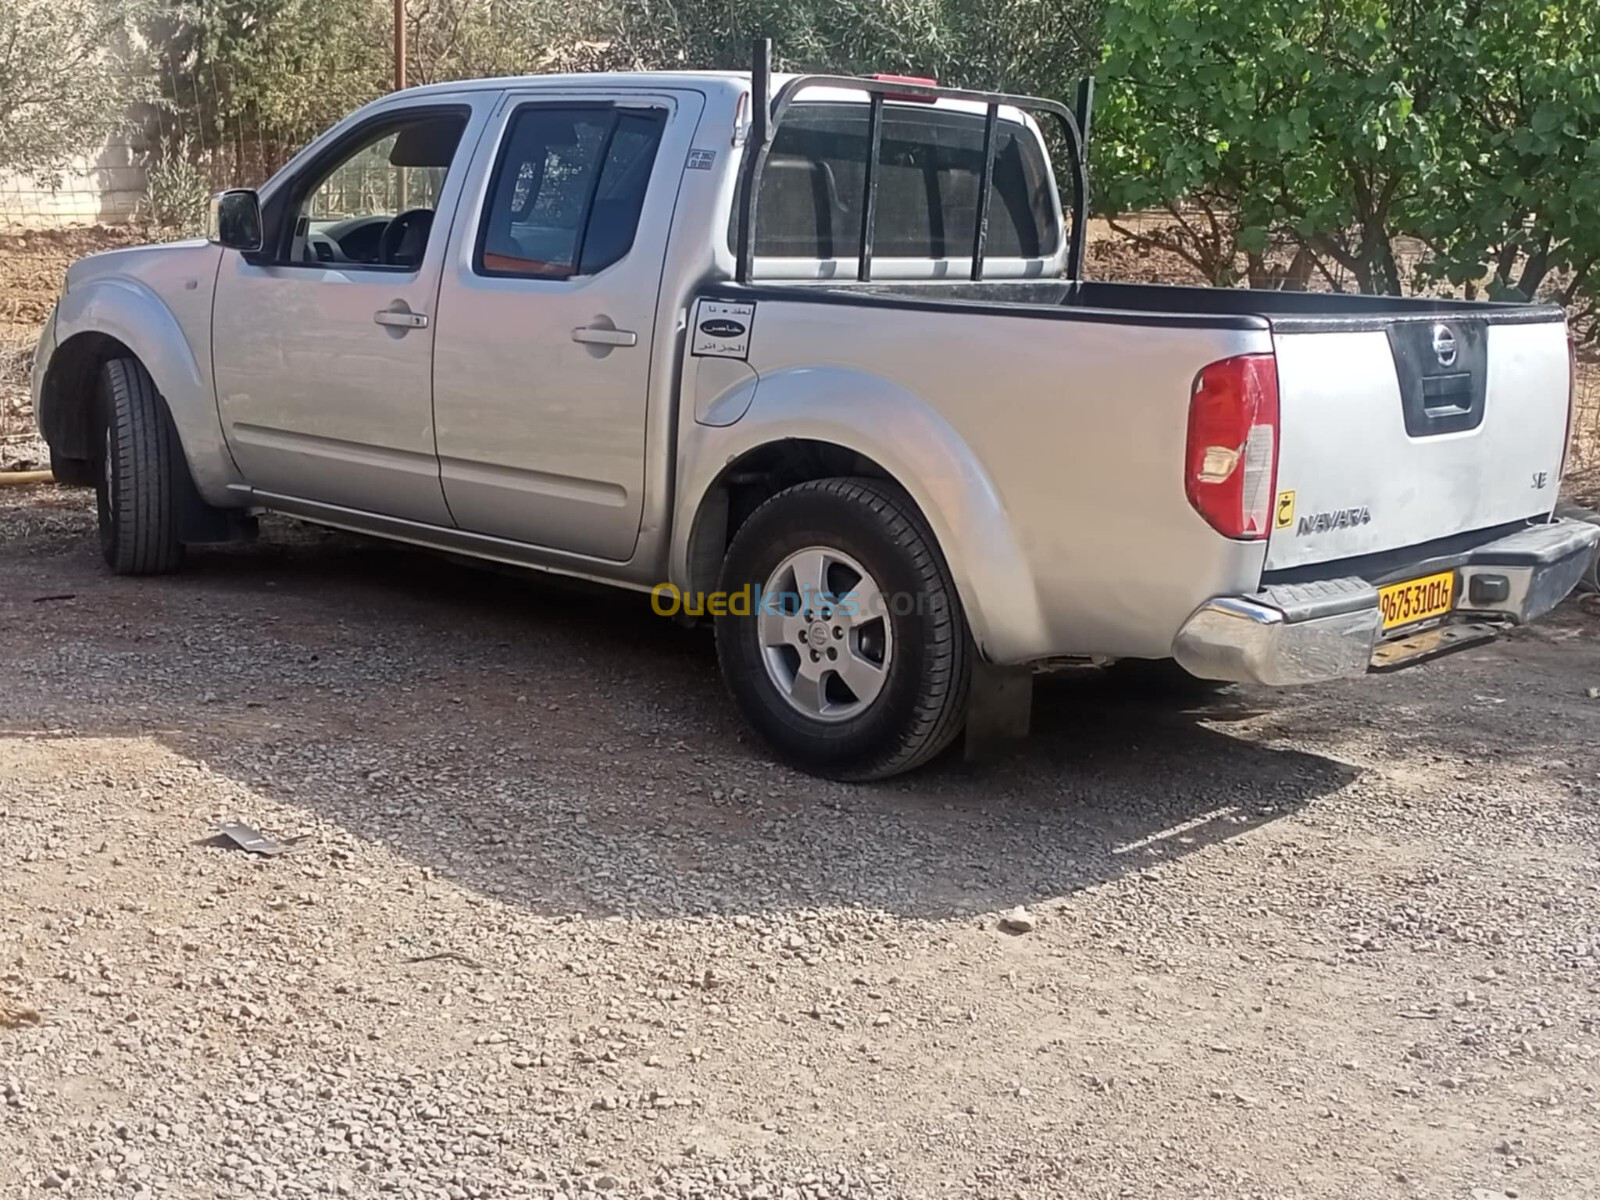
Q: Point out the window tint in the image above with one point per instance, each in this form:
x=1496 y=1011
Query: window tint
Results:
x=349 y=215
x=929 y=167
x=567 y=191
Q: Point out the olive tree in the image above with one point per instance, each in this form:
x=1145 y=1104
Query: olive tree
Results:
x=1032 y=45
x=64 y=81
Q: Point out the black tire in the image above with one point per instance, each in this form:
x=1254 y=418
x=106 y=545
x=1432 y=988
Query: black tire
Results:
x=137 y=484
x=922 y=705
x=1162 y=679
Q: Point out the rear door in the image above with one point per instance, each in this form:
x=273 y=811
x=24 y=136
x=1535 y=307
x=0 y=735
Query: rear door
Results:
x=1399 y=432
x=547 y=316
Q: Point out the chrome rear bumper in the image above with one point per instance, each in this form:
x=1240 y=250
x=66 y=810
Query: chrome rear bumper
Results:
x=1329 y=629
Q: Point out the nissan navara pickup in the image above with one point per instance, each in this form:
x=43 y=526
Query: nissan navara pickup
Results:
x=815 y=357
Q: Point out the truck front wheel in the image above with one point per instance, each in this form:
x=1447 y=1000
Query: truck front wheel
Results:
x=839 y=632
x=137 y=482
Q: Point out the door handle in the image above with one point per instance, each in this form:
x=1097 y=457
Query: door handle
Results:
x=400 y=318
x=596 y=335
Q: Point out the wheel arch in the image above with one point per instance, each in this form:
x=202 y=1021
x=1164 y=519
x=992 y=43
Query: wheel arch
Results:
x=818 y=422
x=67 y=403
x=760 y=472
x=116 y=317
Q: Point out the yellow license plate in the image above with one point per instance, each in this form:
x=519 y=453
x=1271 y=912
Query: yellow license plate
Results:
x=1417 y=599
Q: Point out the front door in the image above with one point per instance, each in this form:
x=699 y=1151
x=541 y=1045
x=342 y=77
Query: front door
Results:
x=324 y=348
x=547 y=315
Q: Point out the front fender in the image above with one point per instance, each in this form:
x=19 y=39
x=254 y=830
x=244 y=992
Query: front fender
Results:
x=42 y=354
x=920 y=450
x=129 y=311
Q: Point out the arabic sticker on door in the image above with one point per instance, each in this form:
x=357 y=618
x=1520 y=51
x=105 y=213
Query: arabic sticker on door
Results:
x=721 y=329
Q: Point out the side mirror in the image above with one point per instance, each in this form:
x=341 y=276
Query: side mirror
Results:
x=233 y=220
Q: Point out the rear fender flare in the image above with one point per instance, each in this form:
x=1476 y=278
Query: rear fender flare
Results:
x=919 y=450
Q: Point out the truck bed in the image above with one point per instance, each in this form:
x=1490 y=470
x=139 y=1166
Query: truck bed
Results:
x=1400 y=424
x=1287 y=311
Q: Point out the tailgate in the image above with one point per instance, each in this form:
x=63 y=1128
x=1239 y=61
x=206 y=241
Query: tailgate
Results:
x=1403 y=431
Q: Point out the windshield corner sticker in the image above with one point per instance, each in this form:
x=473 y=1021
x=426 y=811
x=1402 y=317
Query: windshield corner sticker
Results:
x=721 y=330
x=701 y=160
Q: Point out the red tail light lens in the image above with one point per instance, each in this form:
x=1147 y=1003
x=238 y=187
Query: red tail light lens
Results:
x=1232 y=460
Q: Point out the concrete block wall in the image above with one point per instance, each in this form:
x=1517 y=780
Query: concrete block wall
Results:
x=107 y=188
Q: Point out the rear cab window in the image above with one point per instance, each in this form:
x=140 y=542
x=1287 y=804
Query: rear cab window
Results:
x=930 y=166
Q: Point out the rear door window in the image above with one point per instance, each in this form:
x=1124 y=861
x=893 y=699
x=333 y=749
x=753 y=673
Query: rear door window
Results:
x=567 y=191
x=930 y=166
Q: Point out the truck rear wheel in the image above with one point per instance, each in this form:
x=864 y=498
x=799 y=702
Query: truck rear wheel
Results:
x=843 y=643
x=137 y=483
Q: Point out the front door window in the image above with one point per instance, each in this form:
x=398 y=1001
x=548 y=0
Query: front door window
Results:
x=375 y=206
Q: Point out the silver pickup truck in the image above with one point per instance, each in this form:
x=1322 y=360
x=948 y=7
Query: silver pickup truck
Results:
x=814 y=357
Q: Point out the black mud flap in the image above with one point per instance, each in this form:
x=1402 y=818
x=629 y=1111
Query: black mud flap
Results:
x=199 y=524
x=999 y=711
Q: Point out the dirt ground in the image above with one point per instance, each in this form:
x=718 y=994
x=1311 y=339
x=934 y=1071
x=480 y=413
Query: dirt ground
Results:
x=551 y=927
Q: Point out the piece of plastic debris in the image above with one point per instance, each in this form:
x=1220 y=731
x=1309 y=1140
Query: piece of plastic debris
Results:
x=249 y=838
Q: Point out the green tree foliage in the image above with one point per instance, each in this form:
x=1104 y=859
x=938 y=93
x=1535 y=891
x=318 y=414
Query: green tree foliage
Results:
x=466 y=39
x=1518 y=196
x=1038 y=45
x=1301 y=135
x=246 y=81
x=253 y=79
x=64 y=84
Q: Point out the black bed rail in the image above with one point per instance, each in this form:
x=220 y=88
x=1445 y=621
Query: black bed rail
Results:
x=768 y=112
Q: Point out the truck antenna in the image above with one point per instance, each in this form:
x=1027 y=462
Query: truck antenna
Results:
x=1083 y=113
x=754 y=148
x=760 y=90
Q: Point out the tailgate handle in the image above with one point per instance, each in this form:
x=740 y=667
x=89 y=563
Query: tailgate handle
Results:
x=1443 y=395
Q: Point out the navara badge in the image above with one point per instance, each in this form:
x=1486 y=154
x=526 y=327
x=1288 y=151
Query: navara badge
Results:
x=1339 y=518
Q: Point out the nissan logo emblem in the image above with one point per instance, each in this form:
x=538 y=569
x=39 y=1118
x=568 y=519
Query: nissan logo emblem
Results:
x=1444 y=346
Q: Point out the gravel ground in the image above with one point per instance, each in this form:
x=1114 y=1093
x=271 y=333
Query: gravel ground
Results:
x=552 y=927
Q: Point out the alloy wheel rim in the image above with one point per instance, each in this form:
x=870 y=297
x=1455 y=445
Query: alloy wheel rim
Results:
x=825 y=636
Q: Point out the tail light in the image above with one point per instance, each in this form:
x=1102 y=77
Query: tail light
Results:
x=1232 y=460
x=1572 y=401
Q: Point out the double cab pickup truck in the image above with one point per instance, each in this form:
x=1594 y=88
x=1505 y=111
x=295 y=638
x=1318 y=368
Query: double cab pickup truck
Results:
x=814 y=357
